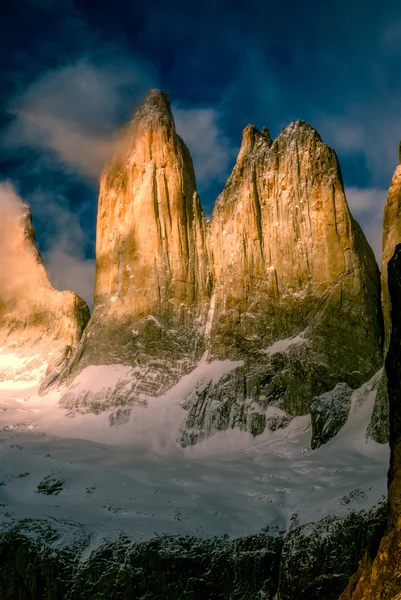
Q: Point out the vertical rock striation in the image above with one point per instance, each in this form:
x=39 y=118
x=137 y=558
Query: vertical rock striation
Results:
x=152 y=268
x=288 y=255
x=39 y=326
x=290 y=264
x=282 y=282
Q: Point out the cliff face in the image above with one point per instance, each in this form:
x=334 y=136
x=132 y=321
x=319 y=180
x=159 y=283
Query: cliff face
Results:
x=378 y=574
x=290 y=264
x=39 y=326
x=391 y=237
x=152 y=268
x=282 y=237
x=284 y=243
x=282 y=281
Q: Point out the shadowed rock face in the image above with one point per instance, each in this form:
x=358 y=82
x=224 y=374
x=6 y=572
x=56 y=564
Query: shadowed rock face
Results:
x=152 y=268
x=393 y=372
x=311 y=562
x=379 y=426
x=378 y=574
x=37 y=323
x=391 y=237
x=329 y=412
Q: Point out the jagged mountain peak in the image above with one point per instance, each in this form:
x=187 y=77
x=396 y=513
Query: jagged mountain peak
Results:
x=253 y=141
x=155 y=106
x=152 y=270
x=279 y=261
x=296 y=134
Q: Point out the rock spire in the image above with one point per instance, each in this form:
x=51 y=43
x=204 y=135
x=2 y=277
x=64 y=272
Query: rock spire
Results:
x=153 y=275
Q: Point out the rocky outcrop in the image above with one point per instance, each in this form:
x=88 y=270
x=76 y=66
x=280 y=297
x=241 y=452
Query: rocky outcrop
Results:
x=329 y=412
x=311 y=561
x=317 y=558
x=379 y=425
x=166 y=567
x=37 y=323
x=152 y=268
x=296 y=292
x=378 y=574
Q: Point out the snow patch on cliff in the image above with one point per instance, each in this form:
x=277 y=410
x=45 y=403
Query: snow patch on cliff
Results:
x=282 y=345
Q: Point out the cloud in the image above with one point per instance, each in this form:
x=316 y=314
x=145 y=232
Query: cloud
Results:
x=372 y=132
x=210 y=149
x=66 y=265
x=67 y=120
x=19 y=272
x=64 y=239
x=367 y=206
x=71 y=272
x=74 y=111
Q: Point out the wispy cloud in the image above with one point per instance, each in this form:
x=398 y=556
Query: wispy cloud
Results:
x=75 y=110
x=69 y=118
x=64 y=239
x=367 y=206
x=210 y=148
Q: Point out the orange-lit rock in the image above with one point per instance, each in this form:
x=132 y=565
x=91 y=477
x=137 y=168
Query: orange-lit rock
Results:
x=152 y=268
x=296 y=292
x=38 y=325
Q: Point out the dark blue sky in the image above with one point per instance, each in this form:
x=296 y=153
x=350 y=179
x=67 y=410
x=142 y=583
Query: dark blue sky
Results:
x=72 y=72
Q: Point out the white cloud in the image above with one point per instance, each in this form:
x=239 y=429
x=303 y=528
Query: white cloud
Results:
x=210 y=148
x=74 y=111
x=367 y=206
x=64 y=240
x=71 y=272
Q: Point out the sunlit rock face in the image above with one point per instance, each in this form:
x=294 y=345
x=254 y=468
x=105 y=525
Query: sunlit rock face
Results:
x=281 y=282
x=391 y=237
x=39 y=326
x=290 y=263
x=152 y=268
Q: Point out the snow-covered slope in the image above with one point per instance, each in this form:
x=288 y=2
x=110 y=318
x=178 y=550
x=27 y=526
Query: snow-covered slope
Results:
x=123 y=470
x=86 y=495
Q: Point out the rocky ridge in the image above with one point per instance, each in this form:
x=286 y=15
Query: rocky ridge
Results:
x=40 y=327
x=281 y=282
